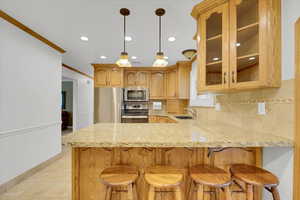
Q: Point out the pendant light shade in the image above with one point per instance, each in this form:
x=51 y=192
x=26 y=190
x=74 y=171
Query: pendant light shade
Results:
x=123 y=60
x=160 y=60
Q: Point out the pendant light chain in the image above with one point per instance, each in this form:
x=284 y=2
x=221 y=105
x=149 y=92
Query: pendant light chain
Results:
x=124 y=47
x=159 y=33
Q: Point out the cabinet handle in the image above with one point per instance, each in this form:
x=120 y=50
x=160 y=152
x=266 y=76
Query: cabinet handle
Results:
x=233 y=78
x=225 y=77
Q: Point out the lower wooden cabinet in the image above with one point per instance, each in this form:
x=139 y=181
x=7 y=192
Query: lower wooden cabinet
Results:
x=87 y=163
x=160 y=119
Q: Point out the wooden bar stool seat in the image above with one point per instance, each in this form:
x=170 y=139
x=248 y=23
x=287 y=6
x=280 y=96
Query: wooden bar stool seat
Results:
x=206 y=175
x=255 y=176
x=159 y=177
x=120 y=176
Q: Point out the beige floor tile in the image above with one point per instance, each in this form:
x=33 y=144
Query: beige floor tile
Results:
x=51 y=183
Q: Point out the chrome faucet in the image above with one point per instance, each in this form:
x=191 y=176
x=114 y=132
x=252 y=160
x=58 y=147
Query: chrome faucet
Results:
x=193 y=112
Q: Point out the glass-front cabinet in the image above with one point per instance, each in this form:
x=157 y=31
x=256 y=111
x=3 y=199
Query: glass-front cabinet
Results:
x=214 y=59
x=239 y=44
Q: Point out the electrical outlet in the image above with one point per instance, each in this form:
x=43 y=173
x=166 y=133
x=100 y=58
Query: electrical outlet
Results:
x=218 y=107
x=261 y=108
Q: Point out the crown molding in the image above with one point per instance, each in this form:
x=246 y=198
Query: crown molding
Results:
x=26 y=29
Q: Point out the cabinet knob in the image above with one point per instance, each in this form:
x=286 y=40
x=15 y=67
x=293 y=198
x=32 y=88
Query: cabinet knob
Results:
x=233 y=78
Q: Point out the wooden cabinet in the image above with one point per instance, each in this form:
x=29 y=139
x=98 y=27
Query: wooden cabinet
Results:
x=137 y=79
x=239 y=44
x=177 y=106
x=108 y=76
x=160 y=119
x=178 y=81
x=157 y=85
x=171 y=83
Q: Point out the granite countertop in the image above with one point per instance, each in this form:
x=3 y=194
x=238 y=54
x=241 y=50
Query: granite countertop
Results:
x=185 y=133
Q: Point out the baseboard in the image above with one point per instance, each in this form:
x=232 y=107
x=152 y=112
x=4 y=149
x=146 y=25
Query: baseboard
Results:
x=6 y=186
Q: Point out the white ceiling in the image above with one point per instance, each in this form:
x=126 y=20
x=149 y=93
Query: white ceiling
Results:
x=64 y=21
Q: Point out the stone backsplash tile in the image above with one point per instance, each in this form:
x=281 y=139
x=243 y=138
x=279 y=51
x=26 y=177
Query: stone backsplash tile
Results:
x=240 y=109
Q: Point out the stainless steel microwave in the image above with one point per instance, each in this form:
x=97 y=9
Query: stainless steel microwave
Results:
x=136 y=94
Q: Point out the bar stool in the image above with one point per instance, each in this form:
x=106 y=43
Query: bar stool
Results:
x=120 y=176
x=162 y=177
x=255 y=176
x=206 y=175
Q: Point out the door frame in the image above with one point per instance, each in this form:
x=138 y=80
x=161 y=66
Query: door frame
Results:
x=296 y=193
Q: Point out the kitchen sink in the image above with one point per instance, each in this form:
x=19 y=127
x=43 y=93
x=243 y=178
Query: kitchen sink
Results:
x=184 y=117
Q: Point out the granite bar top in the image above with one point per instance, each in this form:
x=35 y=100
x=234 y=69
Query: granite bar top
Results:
x=185 y=133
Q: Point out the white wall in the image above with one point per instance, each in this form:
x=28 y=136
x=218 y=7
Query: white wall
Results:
x=30 y=83
x=83 y=99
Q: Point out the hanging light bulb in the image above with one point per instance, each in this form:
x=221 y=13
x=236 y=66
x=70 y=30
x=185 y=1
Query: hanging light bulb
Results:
x=160 y=60
x=123 y=60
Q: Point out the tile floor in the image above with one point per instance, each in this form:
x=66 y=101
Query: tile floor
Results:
x=51 y=183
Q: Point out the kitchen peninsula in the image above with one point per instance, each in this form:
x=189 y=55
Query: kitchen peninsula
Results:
x=182 y=144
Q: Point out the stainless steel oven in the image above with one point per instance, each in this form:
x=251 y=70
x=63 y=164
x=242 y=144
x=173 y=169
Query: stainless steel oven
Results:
x=136 y=94
x=135 y=112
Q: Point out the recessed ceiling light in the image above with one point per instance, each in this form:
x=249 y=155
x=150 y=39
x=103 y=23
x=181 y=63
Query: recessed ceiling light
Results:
x=238 y=44
x=171 y=39
x=252 y=58
x=128 y=38
x=215 y=59
x=133 y=57
x=84 y=38
x=166 y=57
x=103 y=57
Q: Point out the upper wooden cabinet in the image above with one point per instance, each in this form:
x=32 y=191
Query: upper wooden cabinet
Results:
x=137 y=79
x=108 y=76
x=172 y=82
x=239 y=44
x=178 y=81
x=157 y=85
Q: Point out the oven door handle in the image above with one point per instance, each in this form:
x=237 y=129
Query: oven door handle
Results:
x=134 y=117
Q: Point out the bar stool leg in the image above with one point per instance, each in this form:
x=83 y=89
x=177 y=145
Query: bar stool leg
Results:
x=249 y=192
x=135 y=196
x=275 y=193
x=200 y=192
x=130 y=192
x=108 y=193
x=178 y=193
x=227 y=193
x=151 y=193
x=191 y=190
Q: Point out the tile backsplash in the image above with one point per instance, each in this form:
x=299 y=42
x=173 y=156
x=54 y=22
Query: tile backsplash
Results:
x=241 y=109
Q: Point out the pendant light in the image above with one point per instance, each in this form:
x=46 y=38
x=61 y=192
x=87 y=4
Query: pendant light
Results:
x=160 y=60
x=123 y=60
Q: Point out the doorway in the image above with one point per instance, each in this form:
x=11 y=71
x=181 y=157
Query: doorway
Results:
x=67 y=111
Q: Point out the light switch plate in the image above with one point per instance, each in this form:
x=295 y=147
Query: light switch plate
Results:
x=261 y=108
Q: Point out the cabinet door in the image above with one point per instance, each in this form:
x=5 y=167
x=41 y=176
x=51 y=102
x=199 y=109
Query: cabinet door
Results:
x=214 y=48
x=245 y=43
x=101 y=76
x=142 y=79
x=171 y=84
x=157 y=85
x=130 y=78
x=116 y=77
